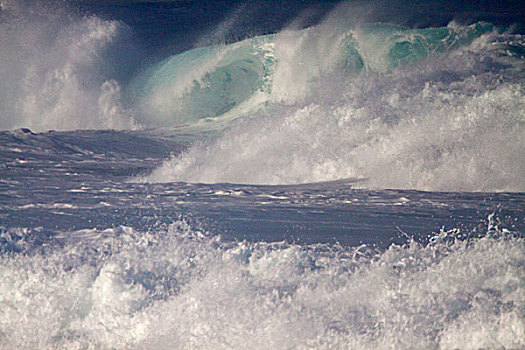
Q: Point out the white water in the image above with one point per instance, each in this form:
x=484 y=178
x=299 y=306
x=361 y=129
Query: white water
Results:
x=180 y=289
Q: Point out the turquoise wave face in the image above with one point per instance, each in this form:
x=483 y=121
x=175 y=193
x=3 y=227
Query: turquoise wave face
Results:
x=205 y=82
x=411 y=45
x=400 y=45
x=210 y=82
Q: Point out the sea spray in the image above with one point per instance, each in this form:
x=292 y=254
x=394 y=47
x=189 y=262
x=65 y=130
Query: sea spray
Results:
x=54 y=70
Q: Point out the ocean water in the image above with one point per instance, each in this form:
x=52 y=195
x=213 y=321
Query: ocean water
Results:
x=262 y=175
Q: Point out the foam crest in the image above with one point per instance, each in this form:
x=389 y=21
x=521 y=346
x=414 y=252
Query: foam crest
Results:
x=182 y=288
x=53 y=76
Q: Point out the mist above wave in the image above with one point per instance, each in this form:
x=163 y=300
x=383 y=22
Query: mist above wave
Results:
x=53 y=70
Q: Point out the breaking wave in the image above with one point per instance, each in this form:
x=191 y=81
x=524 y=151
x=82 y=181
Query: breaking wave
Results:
x=216 y=81
x=428 y=109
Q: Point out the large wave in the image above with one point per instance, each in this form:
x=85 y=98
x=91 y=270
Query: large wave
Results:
x=120 y=288
x=213 y=82
x=429 y=109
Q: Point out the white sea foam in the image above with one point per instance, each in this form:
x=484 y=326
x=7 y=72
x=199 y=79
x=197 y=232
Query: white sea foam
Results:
x=183 y=289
